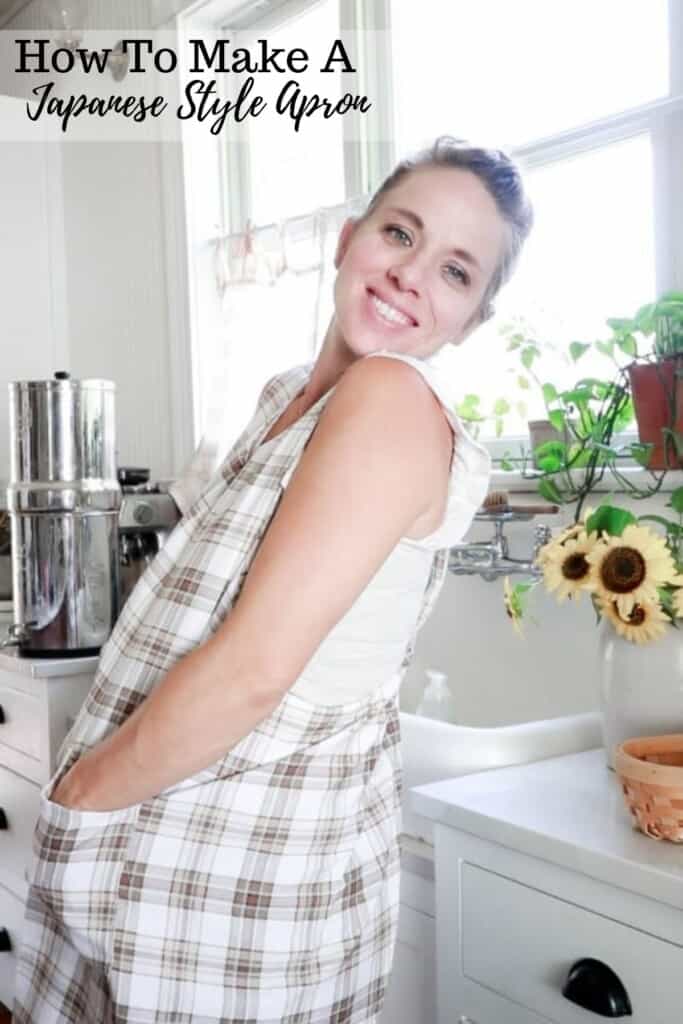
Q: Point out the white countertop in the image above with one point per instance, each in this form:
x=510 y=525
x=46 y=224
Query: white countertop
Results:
x=12 y=661
x=569 y=810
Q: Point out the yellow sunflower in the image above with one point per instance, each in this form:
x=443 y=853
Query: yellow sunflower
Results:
x=566 y=568
x=629 y=568
x=644 y=623
x=569 y=533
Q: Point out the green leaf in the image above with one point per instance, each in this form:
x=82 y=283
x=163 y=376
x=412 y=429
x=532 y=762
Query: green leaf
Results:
x=499 y=427
x=548 y=490
x=620 y=324
x=606 y=347
x=577 y=349
x=501 y=406
x=624 y=417
x=522 y=409
x=557 y=418
x=676 y=501
x=549 y=393
x=677 y=438
x=628 y=345
x=641 y=452
x=523 y=382
x=506 y=464
x=610 y=519
x=528 y=355
x=645 y=317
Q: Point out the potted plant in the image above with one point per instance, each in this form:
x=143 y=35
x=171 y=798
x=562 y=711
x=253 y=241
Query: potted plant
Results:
x=601 y=408
x=525 y=340
x=657 y=379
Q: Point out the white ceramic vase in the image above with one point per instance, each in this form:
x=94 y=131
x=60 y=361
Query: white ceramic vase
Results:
x=641 y=686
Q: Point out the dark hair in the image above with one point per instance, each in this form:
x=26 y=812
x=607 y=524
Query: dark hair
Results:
x=503 y=180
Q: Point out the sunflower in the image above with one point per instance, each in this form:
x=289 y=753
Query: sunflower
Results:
x=566 y=567
x=628 y=569
x=644 y=623
x=569 y=533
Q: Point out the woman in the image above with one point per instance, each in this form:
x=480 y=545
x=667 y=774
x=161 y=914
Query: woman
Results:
x=220 y=841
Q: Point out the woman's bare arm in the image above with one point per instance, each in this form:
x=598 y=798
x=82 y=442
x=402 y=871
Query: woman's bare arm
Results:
x=374 y=463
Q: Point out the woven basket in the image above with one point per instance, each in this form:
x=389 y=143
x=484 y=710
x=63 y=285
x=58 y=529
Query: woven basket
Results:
x=651 y=772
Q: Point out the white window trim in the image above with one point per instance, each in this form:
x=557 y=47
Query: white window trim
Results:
x=187 y=173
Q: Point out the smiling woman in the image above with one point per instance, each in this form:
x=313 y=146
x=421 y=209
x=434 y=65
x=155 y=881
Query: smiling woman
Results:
x=221 y=838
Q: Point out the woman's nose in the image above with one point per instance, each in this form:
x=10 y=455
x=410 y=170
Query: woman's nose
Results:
x=407 y=274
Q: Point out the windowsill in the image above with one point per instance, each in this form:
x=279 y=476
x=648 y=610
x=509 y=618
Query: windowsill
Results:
x=513 y=481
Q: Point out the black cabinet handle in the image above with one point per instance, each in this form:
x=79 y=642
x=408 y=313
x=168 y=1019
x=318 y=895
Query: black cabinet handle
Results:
x=594 y=986
x=3 y=821
x=2 y=716
x=5 y=943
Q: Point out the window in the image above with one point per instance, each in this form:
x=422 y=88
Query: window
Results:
x=576 y=92
x=292 y=172
x=513 y=72
x=585 y=96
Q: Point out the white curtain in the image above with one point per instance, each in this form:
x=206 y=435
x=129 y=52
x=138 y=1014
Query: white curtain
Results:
x=273 y=288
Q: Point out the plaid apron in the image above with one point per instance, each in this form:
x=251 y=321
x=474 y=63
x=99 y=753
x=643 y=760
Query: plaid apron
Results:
x=262 y=889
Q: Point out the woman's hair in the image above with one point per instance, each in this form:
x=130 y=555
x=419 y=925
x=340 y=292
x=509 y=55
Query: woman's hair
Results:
x=501 y=177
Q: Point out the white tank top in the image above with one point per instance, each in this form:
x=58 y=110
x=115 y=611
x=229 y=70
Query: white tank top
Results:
x=367 y=646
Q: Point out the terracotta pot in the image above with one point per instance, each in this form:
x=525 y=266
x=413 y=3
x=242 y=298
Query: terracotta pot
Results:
x=652 y=387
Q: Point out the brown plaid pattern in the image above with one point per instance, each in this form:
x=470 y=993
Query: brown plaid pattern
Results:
x=264 y=888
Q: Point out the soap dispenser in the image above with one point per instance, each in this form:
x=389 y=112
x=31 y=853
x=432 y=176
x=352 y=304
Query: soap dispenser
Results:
x=437 y=699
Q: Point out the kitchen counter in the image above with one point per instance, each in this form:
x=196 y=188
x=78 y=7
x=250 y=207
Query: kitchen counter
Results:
x=568 y=810
x=43 y=668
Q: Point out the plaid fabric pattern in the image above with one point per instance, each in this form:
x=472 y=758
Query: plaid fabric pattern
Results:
x=262 y=889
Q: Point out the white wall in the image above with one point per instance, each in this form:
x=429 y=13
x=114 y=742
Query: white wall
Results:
x=115 y=273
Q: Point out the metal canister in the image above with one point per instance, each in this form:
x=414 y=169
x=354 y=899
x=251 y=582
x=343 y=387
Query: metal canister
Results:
x=64 y=500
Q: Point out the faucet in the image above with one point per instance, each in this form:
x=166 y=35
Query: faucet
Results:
x=492 y=559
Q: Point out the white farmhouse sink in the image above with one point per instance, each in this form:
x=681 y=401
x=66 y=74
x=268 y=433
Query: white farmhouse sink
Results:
x=434 y=750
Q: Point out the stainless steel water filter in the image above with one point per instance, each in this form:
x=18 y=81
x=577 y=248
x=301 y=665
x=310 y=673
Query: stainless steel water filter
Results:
x=64 y=501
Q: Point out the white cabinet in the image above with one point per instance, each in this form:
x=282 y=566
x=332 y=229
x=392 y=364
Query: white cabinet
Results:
x=541 y=877
x=38 y=701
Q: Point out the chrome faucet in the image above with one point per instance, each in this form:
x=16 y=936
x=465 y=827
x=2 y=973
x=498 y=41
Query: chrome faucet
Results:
x=492 y=559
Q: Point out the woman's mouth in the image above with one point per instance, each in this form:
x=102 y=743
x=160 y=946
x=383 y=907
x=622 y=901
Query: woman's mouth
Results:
x=388 y=314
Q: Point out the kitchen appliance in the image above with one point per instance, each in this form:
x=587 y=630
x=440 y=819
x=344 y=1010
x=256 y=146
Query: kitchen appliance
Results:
x=63 y=500
x=148 y=514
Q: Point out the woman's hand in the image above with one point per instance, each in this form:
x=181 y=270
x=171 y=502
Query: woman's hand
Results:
x=77 y=790
x=69 y=790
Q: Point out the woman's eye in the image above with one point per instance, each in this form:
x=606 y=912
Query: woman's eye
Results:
x=457 y=272
x=396 y=232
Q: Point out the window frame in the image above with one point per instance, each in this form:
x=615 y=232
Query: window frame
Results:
x=368 y=159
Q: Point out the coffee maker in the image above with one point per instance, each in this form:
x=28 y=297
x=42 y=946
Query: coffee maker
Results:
x=148 y=514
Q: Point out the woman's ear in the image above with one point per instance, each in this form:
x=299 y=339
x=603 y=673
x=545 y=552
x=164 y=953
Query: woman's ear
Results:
x=345 y=236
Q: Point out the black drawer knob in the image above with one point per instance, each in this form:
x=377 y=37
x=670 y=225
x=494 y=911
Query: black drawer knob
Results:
x=5 y=943
x=3 y=821
x=594 y=986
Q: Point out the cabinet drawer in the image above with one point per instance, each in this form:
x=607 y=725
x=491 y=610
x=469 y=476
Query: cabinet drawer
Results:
x=20 y=801
x=521 y=943
x=11 y=918
x=20 y=721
